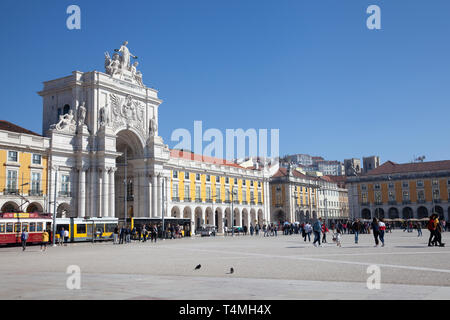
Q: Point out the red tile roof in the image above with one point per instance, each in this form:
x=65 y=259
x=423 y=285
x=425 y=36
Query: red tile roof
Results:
x=8 y=126
x=390 y=167
x=188 y=155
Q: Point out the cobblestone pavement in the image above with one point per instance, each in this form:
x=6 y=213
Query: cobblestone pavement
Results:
x=283 y=267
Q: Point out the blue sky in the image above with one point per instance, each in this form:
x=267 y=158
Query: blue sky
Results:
x=310 y=68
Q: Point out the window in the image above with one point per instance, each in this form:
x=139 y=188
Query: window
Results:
x=39 y=227
x=364 y=197
x=435 y=183
x=175 y=191
x=378 y=197
x=187 y=192
x=391 y=185
x=186 y=176
x=259 y=184
x=436 y=194
x=37 y=159
x=197 y=192
x=419 y=183
x=251 y=183
x=376 y=186
x=109 y=227
x=11 y=183
x=175 y=174
x=130 y=196
x=405 y=184
x=12 y=156
x=9 y=227
x=244 y=195
x=2 y=228
x=197 y=176
x=32 y=226
x=259 y=197
x=244 y=182
x=81 y=228
x=208 y=193
x=252 y=196
x=391 y=196
x=217 y=193
x=227 y=180
x=35 y=183
x=227 y=195
x=421 y=195
x=208 y=178
x=405 y=196
x=363 y=187
x=65 y=185
x=17 y=227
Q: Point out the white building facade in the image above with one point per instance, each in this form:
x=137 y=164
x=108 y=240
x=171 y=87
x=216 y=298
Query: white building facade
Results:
x=106 y=158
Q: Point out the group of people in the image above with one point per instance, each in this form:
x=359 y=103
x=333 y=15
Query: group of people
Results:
x=145 y=232
x=435 y=228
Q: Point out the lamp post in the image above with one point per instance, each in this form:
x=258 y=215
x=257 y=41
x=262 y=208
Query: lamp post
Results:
x=54 y=205
x=232 y=211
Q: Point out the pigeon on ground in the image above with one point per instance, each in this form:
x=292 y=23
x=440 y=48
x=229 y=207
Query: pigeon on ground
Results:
x=231 y=270
x=198 y=267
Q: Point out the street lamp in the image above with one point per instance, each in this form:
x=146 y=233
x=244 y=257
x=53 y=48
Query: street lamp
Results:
x=232 y=210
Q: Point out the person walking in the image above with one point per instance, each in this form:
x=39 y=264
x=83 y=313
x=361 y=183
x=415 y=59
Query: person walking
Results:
x=356 y=228
x=382 y=228
x=61 y=236
x=308 y=231
x=419 y=229
x=116 y=235
x=324 y=232
x=317 y=228
x=24 y=238
x=252 y=229
x=45 y=238
x=66 y=237
x=376 y=230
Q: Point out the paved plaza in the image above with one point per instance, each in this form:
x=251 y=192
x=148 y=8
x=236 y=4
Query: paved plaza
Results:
x=283 y=267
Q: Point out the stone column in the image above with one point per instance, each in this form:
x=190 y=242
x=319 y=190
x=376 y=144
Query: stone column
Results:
x=154 y=196
x=92 y=195
x=112 y=196
x=148 y=209
x=159 y=186
x=136 y=195
x=82 y=193
x=105 y=195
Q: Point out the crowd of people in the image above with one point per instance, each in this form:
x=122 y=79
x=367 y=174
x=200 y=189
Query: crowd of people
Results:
x=144 y=233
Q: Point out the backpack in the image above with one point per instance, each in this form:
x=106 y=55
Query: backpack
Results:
x=430 y=225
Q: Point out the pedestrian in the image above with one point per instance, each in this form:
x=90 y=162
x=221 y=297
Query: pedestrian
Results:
x=61 y=236
x=66 y=237
x=252 y=229
x=24 y=238
x=317 y=228
x=382 y=228
x=324 y=232
x=356 y=228
x=419 y=229
x=45 y=238
x=308 y=231
x=116 y=235
x=376 y=230
x=257 y=229
x=437 y=231
x=245 y=230
x=121 y=235
x=225 y=230
x=127 y=234
x=144 y=233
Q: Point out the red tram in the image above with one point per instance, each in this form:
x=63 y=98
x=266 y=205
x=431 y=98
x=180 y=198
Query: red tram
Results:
x=12 y=224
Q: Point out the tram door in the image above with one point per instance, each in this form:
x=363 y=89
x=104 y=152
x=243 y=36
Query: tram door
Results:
x=72 y=230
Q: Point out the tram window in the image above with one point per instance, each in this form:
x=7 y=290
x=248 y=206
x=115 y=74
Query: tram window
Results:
x=17 y=227
x=39 y=226
x=32 y=226
x=9 y=227
x=81 y=228
x=25 y=226
x=2 y=227
x=110 y=227
x=100 y=227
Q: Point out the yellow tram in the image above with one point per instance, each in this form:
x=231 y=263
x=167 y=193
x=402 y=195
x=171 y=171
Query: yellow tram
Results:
x=91 y=229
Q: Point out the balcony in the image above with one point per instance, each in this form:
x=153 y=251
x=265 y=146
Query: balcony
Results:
x=244 y=202
x=198 y=200
x=208 y=201
x=406 y=202
x=187 y=199
x=392 y=202
x=365 y=204
x=35 y=193
x=175 y=199
x=437 y=201
x=278 y=205
x=227 y=201
x=421 y=201
x=9 y=191
x=378 y=203
x=66 y=194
